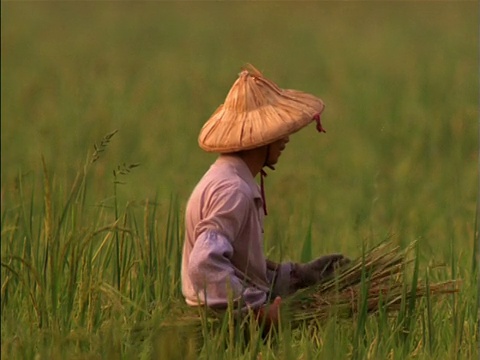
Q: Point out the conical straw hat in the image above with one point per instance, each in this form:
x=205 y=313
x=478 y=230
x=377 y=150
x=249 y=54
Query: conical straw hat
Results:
x=257 y=112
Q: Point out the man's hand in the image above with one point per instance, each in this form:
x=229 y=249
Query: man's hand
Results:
x=269 y=314
x=309 y=274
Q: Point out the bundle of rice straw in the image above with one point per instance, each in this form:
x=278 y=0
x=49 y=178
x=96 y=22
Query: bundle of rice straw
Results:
x=375 y=281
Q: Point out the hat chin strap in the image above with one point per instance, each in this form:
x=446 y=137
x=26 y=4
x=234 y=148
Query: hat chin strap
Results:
x=265 y=163
x=263 y=174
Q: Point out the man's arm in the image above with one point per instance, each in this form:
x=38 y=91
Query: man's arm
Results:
x=213 y=275
x=289 y=277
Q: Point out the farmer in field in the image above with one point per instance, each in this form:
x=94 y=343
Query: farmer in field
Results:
x=223 y=258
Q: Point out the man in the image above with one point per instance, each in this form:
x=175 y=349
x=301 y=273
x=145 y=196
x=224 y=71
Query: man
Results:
x=223 y=258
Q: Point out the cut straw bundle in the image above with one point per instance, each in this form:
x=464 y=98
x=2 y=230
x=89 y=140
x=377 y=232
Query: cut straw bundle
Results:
x=375 y=281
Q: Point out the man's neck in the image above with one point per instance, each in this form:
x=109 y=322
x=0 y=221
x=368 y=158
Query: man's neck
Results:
x=254 y=159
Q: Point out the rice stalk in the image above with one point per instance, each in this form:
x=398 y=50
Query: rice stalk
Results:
x=98 y=149
x=121 y=170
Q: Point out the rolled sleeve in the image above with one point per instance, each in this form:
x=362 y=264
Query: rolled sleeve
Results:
x=213 y=276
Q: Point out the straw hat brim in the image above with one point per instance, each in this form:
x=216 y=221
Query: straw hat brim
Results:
x=257 y=112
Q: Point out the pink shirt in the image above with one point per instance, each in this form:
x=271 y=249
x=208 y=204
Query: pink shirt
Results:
x=223 y=255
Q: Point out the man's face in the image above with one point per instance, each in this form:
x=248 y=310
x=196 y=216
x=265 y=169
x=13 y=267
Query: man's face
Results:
x=276 y=149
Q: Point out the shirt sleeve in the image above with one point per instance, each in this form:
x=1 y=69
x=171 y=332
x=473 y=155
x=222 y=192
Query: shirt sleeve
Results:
x=213 y=275
x=226 y=212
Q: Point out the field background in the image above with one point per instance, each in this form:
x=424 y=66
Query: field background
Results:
x=399 y=159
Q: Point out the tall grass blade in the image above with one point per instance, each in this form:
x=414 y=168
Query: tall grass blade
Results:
x=307 y=246
x=431 y=336
x=411 y=307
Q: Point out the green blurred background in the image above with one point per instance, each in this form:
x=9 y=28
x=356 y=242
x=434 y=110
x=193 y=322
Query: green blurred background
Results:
x=399 y=79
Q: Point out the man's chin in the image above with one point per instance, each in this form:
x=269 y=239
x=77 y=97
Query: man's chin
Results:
x=271 y=164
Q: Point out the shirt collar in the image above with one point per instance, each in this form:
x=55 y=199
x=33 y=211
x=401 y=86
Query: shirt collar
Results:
x=242 y=171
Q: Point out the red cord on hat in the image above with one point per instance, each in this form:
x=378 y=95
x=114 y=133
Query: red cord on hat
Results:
x=320 y=128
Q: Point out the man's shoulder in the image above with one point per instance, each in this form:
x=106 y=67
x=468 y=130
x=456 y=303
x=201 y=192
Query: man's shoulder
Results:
x=226 y=181
x=228 y=177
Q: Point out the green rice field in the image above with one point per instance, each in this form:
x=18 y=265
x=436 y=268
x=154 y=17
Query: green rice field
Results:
x=101 y=106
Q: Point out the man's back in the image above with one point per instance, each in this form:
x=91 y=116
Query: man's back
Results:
x=227 y=202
